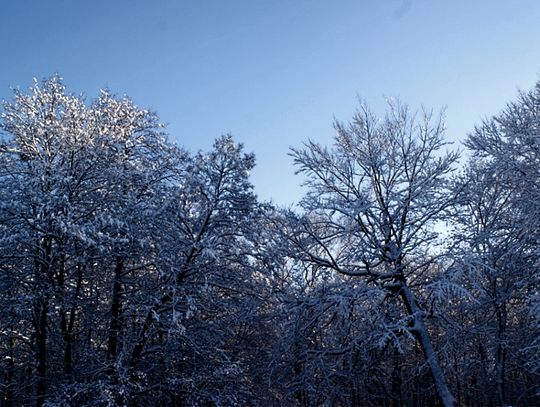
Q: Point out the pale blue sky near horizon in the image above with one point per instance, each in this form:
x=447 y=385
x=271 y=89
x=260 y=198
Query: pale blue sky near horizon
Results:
x=272 y=72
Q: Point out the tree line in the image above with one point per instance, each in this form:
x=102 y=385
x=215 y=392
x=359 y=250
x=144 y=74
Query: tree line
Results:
x=136 y=273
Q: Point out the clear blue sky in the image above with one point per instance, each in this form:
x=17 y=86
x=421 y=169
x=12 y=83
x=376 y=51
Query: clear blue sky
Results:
x=275 y=72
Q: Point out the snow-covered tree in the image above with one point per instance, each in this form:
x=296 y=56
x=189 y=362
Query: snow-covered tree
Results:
x=82 y=185
x=372 y=204
x=504 y=233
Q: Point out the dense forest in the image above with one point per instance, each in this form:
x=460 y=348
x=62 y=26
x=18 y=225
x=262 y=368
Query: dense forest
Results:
x=136 y=273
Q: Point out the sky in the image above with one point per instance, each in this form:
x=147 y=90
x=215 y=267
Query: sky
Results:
x=275 y=73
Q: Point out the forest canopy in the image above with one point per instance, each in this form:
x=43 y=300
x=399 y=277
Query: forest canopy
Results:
x=135 y=273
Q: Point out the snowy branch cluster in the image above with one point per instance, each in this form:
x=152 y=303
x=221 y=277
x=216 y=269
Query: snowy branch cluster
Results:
x=135 y=273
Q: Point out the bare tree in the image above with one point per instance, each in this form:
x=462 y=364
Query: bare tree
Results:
x=372 y=204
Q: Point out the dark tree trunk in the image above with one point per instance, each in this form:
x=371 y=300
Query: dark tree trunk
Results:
x=396 y=382
x=116 y=311
x=9 y=375
x=41 y=314
x=500 y=356
x=45 y=280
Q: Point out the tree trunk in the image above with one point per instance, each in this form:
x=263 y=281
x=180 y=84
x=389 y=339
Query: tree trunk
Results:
x=397 y=397
x=500 y=356
x=67 y=335
x=10 y=372
x=420 y=332
x=41 y=315
x=66 y=323
x=116 y=311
